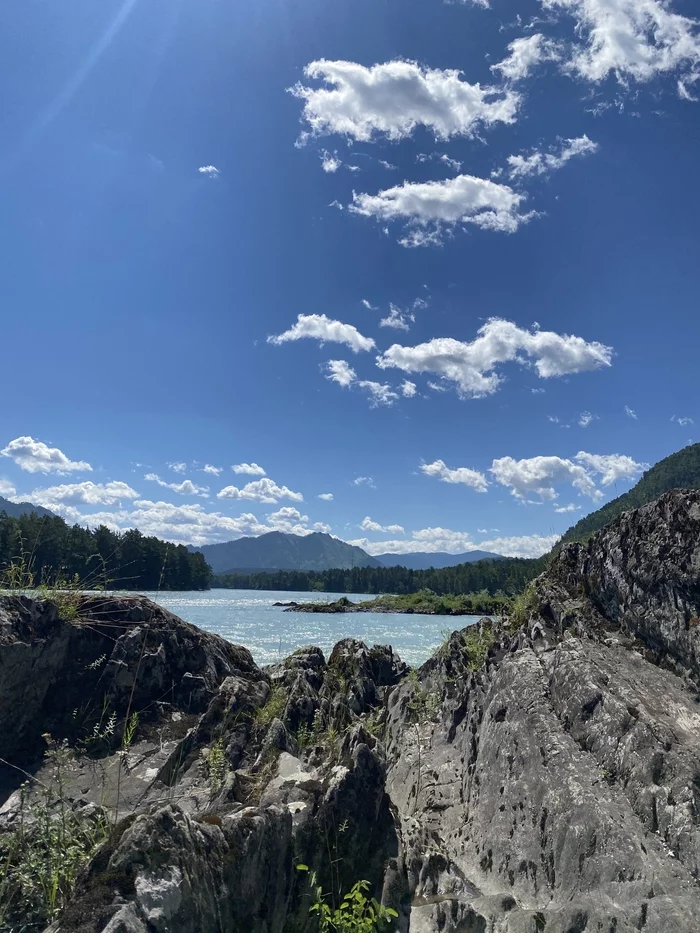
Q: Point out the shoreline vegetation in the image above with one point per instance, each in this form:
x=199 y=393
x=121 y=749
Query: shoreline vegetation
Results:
x=425 y=602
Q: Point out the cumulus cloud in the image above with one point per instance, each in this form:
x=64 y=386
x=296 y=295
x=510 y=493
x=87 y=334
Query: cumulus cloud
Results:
x=213 y=470
x=567 y=508
x=87 y=493
x=211 y=171
x=523 y=546
x=611 y=467
x=178 y=467
x=463 y=475
x=525 y=54
x=470 y=366
x=322 y=328
x=392 y=99
x=398 y=319
x=344 y=375
x=6 y=488
x=368 y=525
x=585 y=418
x=364 y=481
x=432 y=208
x=248 y=469
x=539 y=475
x=261 y=490
x=541 y=163
x=408 y=389
x=36 y=457
x=185 y=488
x=636 y=39
x=431 y=540
x=326 y=496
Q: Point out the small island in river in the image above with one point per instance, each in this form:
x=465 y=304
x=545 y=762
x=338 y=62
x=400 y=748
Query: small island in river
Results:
x=426 y=602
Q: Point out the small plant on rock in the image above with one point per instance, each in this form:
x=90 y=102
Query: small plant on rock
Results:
x=357 y=912
x=217 y=766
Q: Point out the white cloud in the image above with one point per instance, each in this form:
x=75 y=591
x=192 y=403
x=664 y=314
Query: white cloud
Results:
x=525 y=54
x=387 y=165
x=178 y=467
x=539 y=475
x=464 y=475
x=585 y=419
x=398 y=319
x=433 y=207
x=630 y=413
x=470 y=366
x=185 y=488
x=379 y=393
x=408 y=389
x=637 y=39
x=289 y=520
x=682 y=421
x=452 y=164
x=320 y=327
x=524 y=546
x=368 y=525
x=248 y=469
x=341 y=372
x=326 y=496
x=364 y=481
x=394 y=98
x=186 y=524
x=261 y=490
x=36 y=457
x=330 y=161
x=336 y=203
x=368 y=305
x=87 y=493
x=568 y=508
x=611 y=467
x=6 y=488
x=211 y=171
x=540 y=163
x=214 y=470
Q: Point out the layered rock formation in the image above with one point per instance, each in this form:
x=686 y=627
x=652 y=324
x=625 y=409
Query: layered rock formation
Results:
x=542 y=774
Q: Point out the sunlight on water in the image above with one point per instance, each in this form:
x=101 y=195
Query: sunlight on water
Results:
x=248 y=617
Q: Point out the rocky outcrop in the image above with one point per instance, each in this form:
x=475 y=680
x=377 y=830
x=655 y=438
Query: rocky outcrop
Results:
x=537 y=774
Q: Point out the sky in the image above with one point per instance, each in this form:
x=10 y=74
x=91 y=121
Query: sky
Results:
x=422 y=275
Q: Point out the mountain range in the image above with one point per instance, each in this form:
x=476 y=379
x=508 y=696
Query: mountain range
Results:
x=15 y=509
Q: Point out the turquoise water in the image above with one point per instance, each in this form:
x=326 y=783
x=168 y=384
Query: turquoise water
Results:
x=247 y=617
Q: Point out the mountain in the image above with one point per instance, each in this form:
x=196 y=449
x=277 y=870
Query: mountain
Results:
x=422 y=560
x=279 y=551
x=15 y=509
x=679 y=471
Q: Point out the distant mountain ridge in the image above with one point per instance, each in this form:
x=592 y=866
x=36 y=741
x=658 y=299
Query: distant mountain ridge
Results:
x=277 y=550
x=680 y=470
x=15 y=509
x=424 y=560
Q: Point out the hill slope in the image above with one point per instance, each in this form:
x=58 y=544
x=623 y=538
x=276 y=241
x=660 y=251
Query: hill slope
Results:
x=679 y=471
x=15 y=509
x=279 y=551
x=423 y=560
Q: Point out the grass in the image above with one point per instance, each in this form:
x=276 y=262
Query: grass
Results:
x=272 y=709
x=428 y=602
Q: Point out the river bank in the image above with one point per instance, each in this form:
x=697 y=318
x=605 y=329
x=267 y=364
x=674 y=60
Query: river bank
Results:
x=423 y=603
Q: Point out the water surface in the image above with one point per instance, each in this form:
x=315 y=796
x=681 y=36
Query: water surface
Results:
x=248 y=617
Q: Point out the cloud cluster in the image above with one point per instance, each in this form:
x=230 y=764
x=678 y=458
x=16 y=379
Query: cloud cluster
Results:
x=322 y=328
x=433 y=540
x=87 y=493
x=261 y=490
x=539 y=475
x=248 y=469
x=470 y=365
x=394 y=98
x=380 y=393
x=638 y=39
x=464 y=475
x=185 y=488
x=36 y=457
x=213 y=470
x=6 y=488
x=541 y=163
x=525 y=54
x=368 y=525
x=433 y=207
x=210 y=171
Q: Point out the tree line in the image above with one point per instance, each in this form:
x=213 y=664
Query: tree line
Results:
x=42 y=549
x=507 y=577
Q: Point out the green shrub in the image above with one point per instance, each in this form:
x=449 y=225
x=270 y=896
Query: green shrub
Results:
x=357 y=913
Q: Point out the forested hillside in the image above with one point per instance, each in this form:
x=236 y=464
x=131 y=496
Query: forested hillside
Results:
x=494 y=576
x=50 y=550
x=679 y=471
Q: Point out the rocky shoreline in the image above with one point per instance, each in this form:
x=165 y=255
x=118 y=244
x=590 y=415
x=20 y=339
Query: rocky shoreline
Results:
x=372 y=606
x=539 y=774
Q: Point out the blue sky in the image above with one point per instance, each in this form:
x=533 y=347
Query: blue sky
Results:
x=437 y=260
